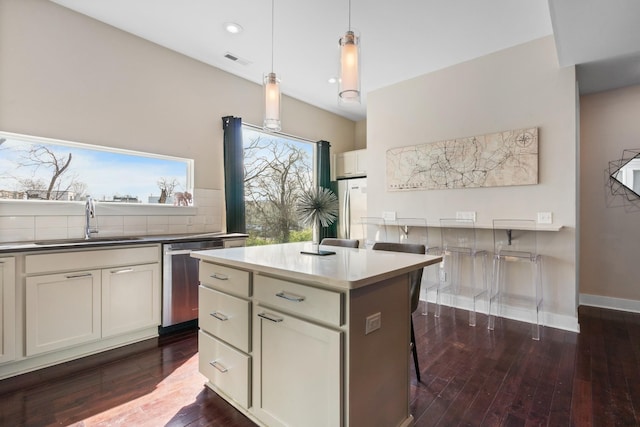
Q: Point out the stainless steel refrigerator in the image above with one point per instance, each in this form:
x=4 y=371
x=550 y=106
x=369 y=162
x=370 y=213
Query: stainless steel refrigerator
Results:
x=352 y=198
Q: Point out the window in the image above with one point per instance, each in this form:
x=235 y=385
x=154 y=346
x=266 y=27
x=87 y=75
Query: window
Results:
x=33 y=168
x=276 y=169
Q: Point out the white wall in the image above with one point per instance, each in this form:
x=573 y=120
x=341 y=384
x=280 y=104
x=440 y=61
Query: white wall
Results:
x=66 y=76
x=361 y=135
x=610 y=235
x=519 y=87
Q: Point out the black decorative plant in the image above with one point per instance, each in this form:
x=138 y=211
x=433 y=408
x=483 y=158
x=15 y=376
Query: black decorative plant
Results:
x=318 y=207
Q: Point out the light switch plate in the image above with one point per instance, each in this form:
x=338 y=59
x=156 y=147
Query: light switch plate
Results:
x=389 y=215
x=466 y=215
x=545 y=218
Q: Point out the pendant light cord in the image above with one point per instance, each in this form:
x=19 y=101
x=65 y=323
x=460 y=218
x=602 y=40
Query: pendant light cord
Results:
x=349 y=15
x=272 y=21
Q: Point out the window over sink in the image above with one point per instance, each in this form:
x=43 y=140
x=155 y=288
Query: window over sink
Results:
x=36 y=168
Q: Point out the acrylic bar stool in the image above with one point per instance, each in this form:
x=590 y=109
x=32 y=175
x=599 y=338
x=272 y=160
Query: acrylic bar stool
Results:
x=515 y=260
x=374 y=230
x=458 y=251
x=414 y=230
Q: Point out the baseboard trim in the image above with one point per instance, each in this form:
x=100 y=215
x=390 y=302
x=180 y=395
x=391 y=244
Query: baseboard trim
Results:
x=610 y=302
x=553 y=320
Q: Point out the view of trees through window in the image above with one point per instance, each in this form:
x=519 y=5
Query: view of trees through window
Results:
x=276 y=170
x=41 y=169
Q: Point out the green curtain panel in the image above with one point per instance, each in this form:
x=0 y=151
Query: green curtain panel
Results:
x=323 y=169
x=234 y=174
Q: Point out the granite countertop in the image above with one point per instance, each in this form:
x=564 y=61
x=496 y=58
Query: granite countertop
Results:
x=52 y=244
x=348 y=268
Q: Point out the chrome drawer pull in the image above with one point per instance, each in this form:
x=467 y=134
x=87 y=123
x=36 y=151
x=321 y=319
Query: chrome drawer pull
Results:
x=290 y=297
x=77 y=276
x=124 y=270
x=219 y=276
x=271 y=317
x=220 y=367
x=219 y=316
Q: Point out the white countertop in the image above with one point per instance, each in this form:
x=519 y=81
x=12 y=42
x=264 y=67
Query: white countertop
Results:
x=347 y=269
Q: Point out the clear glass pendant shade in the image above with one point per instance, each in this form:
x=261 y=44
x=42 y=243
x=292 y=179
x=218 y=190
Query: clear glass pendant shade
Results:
x=349 y=68
x=272 y=103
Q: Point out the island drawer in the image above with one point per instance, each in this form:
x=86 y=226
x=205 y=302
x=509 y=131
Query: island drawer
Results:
x=225 y=367
x=225 y=316
x=225 y=279
x=320 y=304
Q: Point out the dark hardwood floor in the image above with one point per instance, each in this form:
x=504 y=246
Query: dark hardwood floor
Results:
x=470 y=377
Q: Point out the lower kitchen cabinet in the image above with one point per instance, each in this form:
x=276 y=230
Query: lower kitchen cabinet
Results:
x=7 y=309
x=130 y=298
x=226 y=368
x=291 y=354
x=79 y=302
x=62 y=310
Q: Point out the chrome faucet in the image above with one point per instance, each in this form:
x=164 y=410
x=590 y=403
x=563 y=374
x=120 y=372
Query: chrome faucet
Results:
x=89 y=212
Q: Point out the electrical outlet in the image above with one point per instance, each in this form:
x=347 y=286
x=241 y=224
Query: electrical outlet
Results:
x=389 y=215
x=545 y=218
x=466 y=215
x=374 y=322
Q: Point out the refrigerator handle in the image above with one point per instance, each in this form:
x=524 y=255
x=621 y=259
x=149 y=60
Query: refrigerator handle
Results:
x=347 y=213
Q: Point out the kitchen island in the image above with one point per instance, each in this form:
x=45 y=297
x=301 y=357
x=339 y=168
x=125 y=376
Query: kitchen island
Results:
x=292 y=339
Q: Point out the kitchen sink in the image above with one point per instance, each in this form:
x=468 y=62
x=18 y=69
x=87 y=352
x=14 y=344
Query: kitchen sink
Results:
x=92 y=240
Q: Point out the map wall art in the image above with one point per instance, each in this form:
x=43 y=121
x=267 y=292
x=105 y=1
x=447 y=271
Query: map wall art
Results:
x=491 y=160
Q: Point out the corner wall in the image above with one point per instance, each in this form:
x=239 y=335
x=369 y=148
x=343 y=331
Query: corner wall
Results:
x=611 y=224
x=515 y=88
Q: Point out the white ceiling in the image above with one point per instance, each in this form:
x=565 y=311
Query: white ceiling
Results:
x=602 y=37
x=399 y=40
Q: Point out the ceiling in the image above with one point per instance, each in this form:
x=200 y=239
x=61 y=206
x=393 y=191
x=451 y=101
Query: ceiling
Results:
x=399 y=40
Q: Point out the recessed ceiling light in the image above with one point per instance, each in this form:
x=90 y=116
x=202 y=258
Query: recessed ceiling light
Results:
x=232 y=27
x=333 y=80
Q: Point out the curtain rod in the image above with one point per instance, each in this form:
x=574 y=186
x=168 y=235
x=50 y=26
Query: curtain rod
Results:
x=277 y=133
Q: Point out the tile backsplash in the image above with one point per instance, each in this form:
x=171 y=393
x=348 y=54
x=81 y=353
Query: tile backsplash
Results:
x=207 y=218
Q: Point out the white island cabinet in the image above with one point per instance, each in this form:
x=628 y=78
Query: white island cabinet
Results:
x=312 y=358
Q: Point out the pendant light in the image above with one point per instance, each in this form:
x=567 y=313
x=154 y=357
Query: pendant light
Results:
x=349 y=91
x=271 y=92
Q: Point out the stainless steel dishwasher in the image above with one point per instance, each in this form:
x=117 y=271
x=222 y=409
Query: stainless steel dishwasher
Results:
x=180 y=282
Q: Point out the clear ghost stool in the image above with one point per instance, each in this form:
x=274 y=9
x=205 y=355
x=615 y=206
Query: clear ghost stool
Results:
x=414 y=230
x=374 y=230
x=517 y=271
x=464 y=266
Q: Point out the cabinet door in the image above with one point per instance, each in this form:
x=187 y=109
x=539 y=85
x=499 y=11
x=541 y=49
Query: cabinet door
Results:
x=297 y=368
x=130 y=298
x=7 y=309
x=361 y=162
x=62 y=310
x=346 y=164
x=351 y=164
